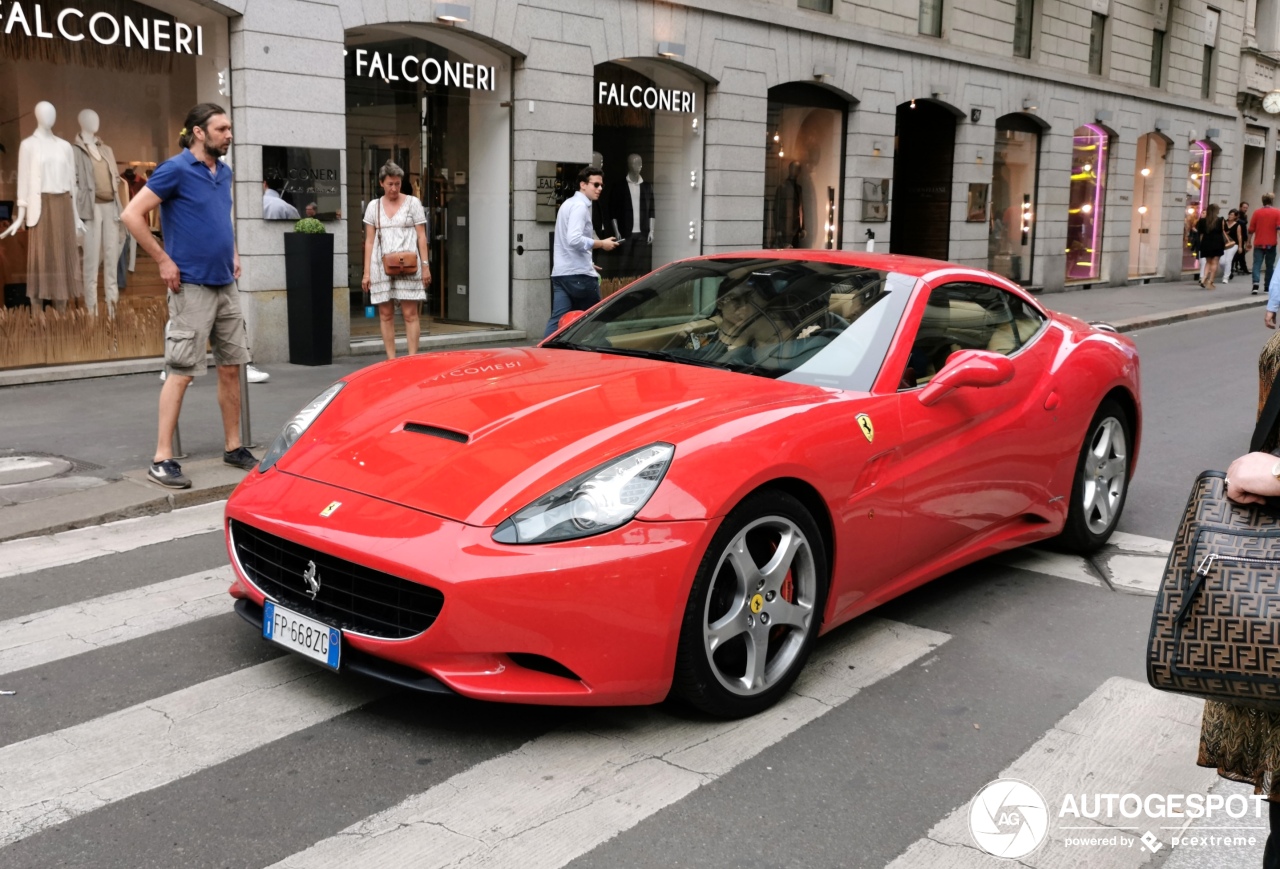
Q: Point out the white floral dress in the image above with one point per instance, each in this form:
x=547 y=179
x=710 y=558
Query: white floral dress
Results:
x=398 y=233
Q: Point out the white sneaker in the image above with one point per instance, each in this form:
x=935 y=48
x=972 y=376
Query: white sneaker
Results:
x=256 y=375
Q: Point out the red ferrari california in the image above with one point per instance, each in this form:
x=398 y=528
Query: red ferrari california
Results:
x=679 y=491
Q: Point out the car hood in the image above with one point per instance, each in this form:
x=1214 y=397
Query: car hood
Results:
x=474 y=436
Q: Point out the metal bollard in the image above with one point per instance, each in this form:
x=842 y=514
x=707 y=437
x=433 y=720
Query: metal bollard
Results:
x=177 y=443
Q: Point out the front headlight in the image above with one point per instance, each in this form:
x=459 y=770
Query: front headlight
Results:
x=299 y=424
x=599 y=500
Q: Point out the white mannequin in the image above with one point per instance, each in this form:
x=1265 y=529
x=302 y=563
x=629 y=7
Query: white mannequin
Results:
x=101 y=215
x=42 y=139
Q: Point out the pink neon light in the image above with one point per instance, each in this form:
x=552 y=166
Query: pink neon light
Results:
x=1099 y=136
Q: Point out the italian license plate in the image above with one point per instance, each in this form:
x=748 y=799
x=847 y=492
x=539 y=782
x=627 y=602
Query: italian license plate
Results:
x=317 y=641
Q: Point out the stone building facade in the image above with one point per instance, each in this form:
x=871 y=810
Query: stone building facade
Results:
x=1004 y=135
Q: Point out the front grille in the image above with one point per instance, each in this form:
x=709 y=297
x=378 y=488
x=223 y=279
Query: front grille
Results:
x=351 y=597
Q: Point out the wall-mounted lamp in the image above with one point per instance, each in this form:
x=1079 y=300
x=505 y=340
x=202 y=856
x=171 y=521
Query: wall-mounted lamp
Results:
x=1162 y=124
x=1102 y=116
x=913 y=102
x=670 y=49
x=875 y=148
x=822 y=72
x=693 y=177
x=981 y=156
x=1030 y=104
x=693 y=230
x=453 y=13
x=1213 y=133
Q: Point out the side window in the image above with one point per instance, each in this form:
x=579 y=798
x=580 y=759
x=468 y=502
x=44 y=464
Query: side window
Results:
x=967 y=316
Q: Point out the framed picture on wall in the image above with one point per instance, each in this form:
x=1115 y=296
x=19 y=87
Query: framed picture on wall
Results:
x=977 y=212
x=875 y=200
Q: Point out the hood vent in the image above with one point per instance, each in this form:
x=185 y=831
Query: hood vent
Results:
x=436 y=431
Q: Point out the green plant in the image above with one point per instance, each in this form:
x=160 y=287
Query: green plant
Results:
x=309 y=225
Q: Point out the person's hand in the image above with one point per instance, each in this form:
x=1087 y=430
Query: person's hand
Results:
x=171 y=275
x=651 y=236
x=235 y=265
x=426 y=277
x=364 y=283
x=1270 y=319
x=1249 y=479
x=608 y=243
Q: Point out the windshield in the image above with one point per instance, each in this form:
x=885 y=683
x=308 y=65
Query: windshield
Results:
x=820 y=323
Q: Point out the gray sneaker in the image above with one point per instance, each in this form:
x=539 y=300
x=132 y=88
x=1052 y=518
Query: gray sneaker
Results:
x=240 y=458
x=169 y=473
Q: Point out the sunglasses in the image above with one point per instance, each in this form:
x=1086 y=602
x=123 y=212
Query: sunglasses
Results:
x=595 y=184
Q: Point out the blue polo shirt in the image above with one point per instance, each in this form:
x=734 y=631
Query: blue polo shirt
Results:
x=195 y=217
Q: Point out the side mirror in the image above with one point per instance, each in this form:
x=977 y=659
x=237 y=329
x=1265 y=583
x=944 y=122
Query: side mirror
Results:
x=976 y=368
x=570 y=318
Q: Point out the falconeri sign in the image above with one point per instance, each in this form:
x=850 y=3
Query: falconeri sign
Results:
x=638 y=97
x=39 y=21
x=384 y=65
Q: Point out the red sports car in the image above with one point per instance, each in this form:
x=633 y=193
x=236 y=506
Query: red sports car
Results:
x=678 y=491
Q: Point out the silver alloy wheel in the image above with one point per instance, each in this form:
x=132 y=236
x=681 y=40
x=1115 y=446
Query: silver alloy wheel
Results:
x=1105 y=474
x=751 y=635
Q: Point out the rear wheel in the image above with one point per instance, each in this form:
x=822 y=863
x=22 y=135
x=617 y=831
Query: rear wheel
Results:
x=755 y=608
x=1101 y=481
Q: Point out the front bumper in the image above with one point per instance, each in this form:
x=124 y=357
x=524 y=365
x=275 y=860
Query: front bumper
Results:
x=586 y=622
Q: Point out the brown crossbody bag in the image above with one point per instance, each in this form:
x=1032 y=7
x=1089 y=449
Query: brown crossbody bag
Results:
x=397 y=264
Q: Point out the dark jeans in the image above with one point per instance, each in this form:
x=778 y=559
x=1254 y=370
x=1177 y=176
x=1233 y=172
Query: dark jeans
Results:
x=1271 y=855
x=1261 y=254
x=1240 y=265
x=571 y=293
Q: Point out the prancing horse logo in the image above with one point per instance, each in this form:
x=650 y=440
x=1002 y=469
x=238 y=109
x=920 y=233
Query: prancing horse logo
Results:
x=312 y=580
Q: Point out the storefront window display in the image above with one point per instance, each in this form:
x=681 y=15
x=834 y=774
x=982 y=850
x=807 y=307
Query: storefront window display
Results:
x=1148 y=198
x=1199 y=170
x=93 y=100
x=646 y=141
x=804 y=167
x=438 y=105
x=1011 y=238
x=1086 y=201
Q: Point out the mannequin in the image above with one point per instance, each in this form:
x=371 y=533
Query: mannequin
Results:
x=599 y=213
x=46 y=207
x=788 y=210
x=631 y=210
x=98 y=205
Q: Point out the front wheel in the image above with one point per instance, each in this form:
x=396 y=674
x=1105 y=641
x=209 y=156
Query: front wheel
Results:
x=755 y=608
x=1101 y=481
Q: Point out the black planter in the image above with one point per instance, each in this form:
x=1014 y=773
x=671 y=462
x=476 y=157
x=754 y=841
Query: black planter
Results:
x=308 y=265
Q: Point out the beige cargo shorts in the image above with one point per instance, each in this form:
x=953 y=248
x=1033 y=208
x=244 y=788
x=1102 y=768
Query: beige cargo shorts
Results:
x=200 y=315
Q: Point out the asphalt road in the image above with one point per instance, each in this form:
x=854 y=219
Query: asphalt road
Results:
x=185 y=740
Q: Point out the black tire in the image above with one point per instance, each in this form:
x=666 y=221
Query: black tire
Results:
x=1100 y=485
x=780 y=611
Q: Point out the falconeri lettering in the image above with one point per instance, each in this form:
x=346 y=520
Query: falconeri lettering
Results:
x=33 y=20
x=383 y=65
x=652 y=98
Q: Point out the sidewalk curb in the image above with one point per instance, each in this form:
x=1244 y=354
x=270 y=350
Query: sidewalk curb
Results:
x=164 y=503
x=1132 y=324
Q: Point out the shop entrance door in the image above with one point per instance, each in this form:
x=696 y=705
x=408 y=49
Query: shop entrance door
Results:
x=923 y=153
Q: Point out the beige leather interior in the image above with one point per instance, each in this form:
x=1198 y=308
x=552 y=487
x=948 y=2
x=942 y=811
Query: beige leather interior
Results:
x=656 y=339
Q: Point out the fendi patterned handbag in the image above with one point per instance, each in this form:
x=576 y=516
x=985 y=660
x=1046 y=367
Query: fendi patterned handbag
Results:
x=1215 y=632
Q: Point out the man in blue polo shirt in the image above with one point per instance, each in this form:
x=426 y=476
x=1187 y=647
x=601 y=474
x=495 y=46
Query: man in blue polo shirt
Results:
x=199 y=265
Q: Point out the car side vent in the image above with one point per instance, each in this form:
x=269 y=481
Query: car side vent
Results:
x=436 y=431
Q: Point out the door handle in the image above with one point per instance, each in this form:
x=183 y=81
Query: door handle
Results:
x=1052 y=401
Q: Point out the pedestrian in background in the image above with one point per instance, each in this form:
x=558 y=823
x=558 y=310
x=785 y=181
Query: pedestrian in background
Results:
x=1240 y=264
x=1262 y=235
x=1213 y=241
x=395 y=222
x=1234 y=232
x=574 y=283
x=199 y=265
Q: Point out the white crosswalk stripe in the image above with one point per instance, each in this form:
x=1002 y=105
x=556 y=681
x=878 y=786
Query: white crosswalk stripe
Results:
x=1125 y=738
x=509 y=812
x=55 y=777
x=71 y=547
x=51 y=635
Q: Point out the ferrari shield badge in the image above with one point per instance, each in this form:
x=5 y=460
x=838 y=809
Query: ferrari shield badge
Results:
x=330 y=510
x=867 y=426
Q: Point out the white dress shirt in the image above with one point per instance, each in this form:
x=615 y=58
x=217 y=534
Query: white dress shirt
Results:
x=574 y=239
x=46 y=164
x=634 y=187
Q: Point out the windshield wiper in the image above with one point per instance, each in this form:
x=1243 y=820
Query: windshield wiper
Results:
x=725 y=365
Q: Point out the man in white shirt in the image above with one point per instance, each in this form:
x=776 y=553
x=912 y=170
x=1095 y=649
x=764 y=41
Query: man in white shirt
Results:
x=574 y=284
x=274 y=207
